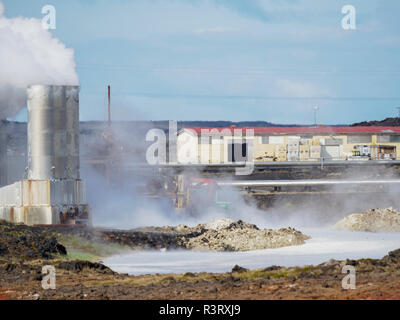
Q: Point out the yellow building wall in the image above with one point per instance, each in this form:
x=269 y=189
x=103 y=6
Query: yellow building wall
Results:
x=348 y=147
x=218 y=153
x=315 y=140
x=211 y=153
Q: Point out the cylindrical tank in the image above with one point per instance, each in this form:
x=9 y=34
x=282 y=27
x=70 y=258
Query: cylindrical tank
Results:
x=72 y=102
x=60 y=132
x=3 y=154
x=41 y=162
x=53 y=132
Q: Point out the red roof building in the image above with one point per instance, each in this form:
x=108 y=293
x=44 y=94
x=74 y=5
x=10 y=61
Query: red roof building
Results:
x=307 y=130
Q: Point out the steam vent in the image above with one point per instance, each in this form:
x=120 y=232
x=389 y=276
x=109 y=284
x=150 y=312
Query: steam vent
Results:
x=53 y=192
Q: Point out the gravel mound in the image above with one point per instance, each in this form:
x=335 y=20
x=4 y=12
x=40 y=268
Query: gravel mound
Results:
x=218 y=224
x=375 y=220
x=229 y=235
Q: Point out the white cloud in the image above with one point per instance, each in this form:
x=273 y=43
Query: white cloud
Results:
x=301 y=89
x=215 y=30
x=30 y=55
x=390 y=40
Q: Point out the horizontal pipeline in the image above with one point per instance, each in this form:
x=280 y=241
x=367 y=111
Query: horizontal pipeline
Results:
x=275 y=183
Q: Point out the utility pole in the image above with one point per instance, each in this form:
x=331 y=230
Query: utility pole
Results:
x=109 y=106
x=398 y=110
x=109 y=139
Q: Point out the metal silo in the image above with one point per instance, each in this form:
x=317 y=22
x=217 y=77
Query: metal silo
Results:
x=60 y=132
x=3 y=154
x=41 y=162
x=72 y=126
x=52 y=192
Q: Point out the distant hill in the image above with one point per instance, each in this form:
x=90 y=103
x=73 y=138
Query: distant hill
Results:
x=388 y=122
x=222 y=124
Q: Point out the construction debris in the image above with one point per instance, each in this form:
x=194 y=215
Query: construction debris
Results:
x=375 y=220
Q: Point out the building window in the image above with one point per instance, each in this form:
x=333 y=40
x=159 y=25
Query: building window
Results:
x=264 y=140
x=388 y=138
x=395 y=138
x=276 y=139
x=333 y=142
x=383 y=138
x=204 y=139
x=359 y=139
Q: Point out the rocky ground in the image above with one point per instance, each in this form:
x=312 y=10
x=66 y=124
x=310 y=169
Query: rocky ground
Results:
x=376 y=279
x=375 y=220
x=23 y=242
x=25 y=250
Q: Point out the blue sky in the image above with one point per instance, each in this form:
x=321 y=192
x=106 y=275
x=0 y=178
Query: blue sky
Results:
x=271 y=60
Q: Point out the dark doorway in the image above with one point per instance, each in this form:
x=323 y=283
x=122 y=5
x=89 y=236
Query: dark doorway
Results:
x=237 y=152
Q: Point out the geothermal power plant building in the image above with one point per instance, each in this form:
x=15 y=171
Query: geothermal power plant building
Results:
x=287 y=144
x=53 y=192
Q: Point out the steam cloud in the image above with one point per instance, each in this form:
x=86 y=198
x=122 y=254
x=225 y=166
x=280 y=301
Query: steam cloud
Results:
x=122 y=204
x=30 y=55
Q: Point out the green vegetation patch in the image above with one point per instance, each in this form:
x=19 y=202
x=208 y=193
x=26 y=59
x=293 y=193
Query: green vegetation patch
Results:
x=83 y=249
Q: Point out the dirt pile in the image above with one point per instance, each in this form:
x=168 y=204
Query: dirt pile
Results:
x=146 y=239
x=229 y=235
x=375 y=220
x=218 y=235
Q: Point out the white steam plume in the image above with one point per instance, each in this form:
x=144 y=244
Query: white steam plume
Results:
x=29 y=54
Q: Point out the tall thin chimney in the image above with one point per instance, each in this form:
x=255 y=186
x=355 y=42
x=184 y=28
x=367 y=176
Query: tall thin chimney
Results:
x=109 y=106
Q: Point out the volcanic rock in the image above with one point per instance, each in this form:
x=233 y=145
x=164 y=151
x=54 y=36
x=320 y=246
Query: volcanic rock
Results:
x=239 y=269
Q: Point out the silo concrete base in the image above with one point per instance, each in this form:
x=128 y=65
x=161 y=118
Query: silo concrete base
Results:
x=45 y=202
x=48 y=215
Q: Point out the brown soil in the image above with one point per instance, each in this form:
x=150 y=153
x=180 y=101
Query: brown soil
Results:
x=376 y=279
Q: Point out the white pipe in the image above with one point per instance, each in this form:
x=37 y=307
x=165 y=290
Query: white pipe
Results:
x=273 y=183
